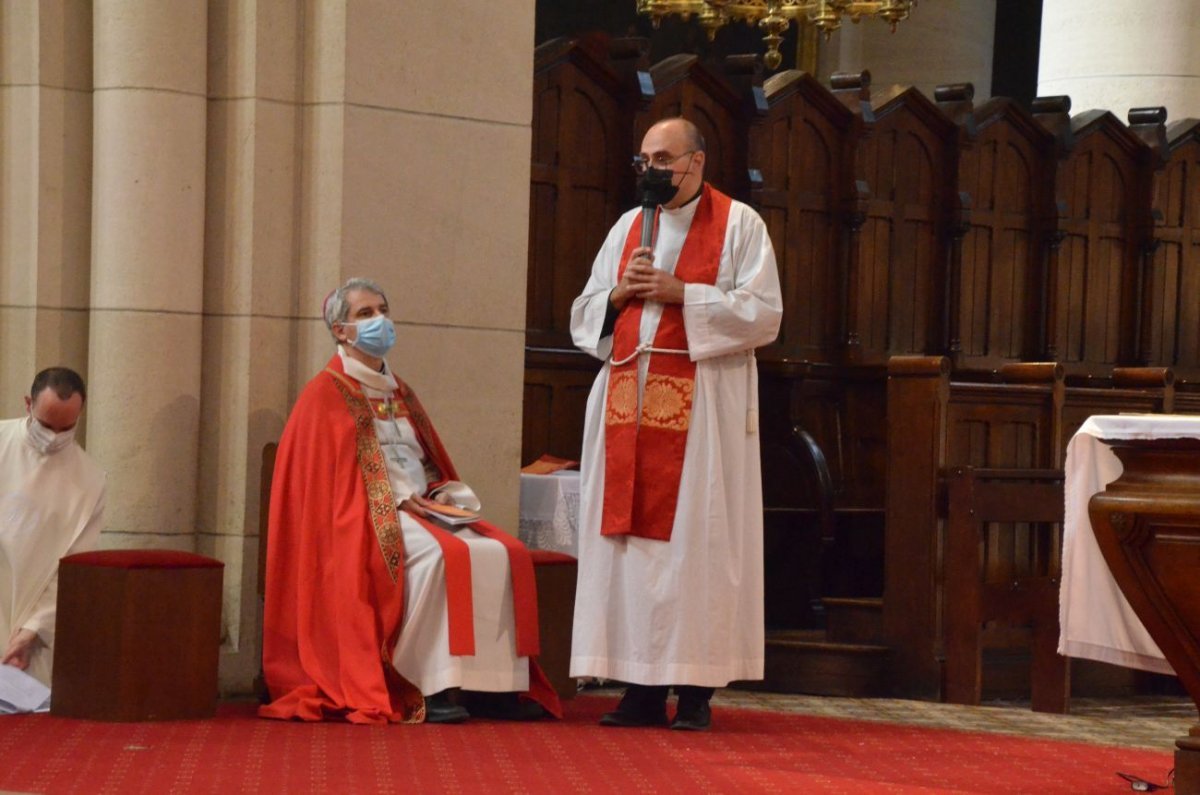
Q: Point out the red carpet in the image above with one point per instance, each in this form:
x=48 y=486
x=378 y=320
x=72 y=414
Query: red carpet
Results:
x=748 y=751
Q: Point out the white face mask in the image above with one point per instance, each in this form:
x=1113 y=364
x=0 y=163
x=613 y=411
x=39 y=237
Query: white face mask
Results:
x=46 y=441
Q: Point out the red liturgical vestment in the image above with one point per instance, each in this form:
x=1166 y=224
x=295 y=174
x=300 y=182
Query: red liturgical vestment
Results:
x=334 y=603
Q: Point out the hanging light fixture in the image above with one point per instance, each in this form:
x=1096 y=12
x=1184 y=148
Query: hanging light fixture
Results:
x=774 y=16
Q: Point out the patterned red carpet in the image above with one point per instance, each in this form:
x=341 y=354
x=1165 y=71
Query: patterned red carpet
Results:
x=748 y=751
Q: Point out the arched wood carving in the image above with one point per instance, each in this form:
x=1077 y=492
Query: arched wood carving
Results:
x=1172 y=322
x=1093 y=280
x=800 y=149
x=899 y=294
x=1008 y=175
x=580 y=179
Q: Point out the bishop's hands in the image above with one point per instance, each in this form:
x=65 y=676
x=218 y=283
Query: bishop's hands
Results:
x=642 y=280
x=20 y=646
x=416 y=504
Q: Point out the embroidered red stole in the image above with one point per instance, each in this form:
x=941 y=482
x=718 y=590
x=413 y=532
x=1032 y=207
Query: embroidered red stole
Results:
x=643 y=454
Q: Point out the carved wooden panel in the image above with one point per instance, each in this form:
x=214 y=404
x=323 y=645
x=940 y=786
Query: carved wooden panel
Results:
x=800 y=151
x=898 y=293
x=1172 y=282
x=1008 y=174
x=1000 y=426
x=556 y=392
x=1094 y=277
x=580 y=180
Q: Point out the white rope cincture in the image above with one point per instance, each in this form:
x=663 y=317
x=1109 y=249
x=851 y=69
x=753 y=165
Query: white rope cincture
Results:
x=646 y=347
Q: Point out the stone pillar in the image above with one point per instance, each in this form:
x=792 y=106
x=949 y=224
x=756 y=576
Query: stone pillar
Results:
x=939 y=43
x=250 y=272
x=45 y=190
x=1121 y=54
x=147 y=260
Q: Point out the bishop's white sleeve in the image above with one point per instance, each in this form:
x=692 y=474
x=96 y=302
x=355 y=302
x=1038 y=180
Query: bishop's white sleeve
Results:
x=590 y=308
x=460 y=494
x=743 y=310
x=41 y=620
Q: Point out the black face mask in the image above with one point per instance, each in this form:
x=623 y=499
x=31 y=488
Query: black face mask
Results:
x=655 y=187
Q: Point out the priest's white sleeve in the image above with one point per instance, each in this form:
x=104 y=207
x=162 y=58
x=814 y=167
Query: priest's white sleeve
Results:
x=590 y=308
x=742 y=311
x=41 y=620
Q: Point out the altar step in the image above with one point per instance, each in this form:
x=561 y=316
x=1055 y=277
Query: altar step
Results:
x=849 y=659
x=845 y=659
x=854 y=620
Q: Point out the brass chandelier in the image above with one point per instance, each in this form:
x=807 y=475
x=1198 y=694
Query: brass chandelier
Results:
x=774 y=16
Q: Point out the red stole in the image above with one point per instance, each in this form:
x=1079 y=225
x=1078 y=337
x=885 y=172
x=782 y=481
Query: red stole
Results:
x=643 y=455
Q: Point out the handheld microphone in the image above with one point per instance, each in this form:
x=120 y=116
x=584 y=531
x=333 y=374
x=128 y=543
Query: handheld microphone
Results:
x=655 y=188
x=648 y=224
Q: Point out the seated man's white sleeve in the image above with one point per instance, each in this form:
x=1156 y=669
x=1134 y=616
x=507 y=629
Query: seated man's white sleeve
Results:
x=42 y=619
x=460 y=494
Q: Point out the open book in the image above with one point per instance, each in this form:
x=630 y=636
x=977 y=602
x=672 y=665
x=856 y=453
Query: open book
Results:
x=451 y=515
x=20 y=692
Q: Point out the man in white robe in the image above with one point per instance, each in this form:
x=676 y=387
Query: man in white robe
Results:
x=51 y=505
x=678 y=606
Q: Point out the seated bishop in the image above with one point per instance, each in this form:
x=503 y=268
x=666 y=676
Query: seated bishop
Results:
x=375 y=610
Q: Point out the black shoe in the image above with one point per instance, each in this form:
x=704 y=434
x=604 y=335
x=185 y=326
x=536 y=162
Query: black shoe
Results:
x=693 y=714
x=503 y=706
x=439 y=709
x=642 y=705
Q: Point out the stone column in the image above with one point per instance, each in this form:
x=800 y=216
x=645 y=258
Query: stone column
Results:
x=1121 y=54
x=250 y=273
x=940 y=43
x=147 y=261
x=45 y=190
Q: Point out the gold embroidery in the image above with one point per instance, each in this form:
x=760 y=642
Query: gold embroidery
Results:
x=667 y=402
x=380 y=500
x=389 y=409
x=622 y=399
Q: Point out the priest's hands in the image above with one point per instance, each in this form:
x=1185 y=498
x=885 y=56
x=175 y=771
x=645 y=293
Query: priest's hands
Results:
x=416 y=503
x=20 y=646
x=642 y=280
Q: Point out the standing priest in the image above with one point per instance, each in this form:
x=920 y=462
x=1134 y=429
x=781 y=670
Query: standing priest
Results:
x=670 y=534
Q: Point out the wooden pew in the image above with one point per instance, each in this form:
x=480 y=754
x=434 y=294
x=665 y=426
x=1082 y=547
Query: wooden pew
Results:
x=975 y=500
x=934 y=425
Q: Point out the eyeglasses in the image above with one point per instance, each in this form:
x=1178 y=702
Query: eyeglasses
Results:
x=661 y=160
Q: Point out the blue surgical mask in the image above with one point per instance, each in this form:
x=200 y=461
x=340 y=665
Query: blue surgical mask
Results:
x=376 y=336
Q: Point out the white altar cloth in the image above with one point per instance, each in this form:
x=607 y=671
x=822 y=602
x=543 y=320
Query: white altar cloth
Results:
x=549 y=513
x=1096 y=621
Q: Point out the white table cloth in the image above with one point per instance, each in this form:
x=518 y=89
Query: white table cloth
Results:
x=549 y=513
x=1096 y=621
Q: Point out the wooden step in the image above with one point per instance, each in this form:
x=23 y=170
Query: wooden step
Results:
x=805 y=661
x=854 y=620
